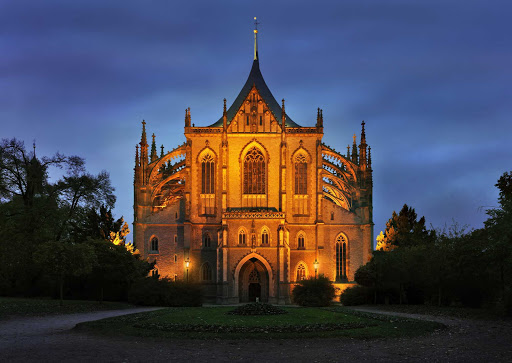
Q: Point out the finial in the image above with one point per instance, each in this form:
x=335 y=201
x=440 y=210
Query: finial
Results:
x=153 y=149
x=283 y=116
x=224 y=105
x=354 y=138
x=162 y=151
x=143 y=139
x=348 y=151
x=136 y=155
x=255 y=39
x=34 y=145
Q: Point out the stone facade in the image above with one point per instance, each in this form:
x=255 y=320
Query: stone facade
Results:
x=252 y=203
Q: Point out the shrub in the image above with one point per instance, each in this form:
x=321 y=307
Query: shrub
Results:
x=314 y=292
x=257 y=309
x=356 y=295
x=164 y=292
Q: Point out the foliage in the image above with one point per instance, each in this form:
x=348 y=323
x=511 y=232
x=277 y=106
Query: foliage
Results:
x=52 y=233
x=65 y=259
x=257 y=309
x=314 y=292
x=403 y=229
x=152 y=291
x=356 y=295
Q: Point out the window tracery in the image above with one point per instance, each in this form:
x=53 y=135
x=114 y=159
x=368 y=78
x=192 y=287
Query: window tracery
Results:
x=242 y=237
x=254 y=172
x=341 y=258
x=154 y=244
x=207 y=272
x=301 y=175
x=301 y=272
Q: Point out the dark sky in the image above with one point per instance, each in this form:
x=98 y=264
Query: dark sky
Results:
x=432 y=79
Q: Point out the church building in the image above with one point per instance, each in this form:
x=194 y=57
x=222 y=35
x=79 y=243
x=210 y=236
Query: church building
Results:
x=254 y=202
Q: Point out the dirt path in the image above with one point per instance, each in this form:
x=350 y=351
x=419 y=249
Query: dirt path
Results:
x=50 y=340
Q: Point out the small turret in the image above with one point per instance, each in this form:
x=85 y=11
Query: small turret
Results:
x=283 y=117
x=224 y=117
x=354 y=150
x=362 y=148
x=143 y=146
x=187 y=117
x=154 y=156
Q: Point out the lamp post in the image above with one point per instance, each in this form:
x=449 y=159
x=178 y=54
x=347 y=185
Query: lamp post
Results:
x=187 y=264
x=315 y=264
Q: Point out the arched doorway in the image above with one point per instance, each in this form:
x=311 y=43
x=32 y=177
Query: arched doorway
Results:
x=253 y=281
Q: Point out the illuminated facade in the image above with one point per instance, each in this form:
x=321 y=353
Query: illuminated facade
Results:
x=254 y=202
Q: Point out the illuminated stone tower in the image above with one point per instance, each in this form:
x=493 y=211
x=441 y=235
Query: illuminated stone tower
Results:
x=254 y=202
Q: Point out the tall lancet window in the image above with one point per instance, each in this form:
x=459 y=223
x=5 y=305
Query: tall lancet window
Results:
x=301 y=175
x=300 y=197
x=208 y=184
x=341 y=258
x=254 y=172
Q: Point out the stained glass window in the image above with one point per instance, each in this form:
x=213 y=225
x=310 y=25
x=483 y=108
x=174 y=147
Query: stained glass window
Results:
x=341 y=258
x=254 y=172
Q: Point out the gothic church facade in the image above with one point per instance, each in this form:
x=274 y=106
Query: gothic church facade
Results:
x=254 y=202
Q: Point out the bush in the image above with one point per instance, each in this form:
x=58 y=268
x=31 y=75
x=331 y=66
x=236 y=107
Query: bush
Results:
x=314 y=292
x=357 y=295
x=152 y=291
x=257 y=309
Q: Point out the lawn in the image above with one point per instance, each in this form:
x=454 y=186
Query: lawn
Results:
x=19 y=307
x=215 y=323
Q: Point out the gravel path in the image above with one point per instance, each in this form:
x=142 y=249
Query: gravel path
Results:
x=50 y=339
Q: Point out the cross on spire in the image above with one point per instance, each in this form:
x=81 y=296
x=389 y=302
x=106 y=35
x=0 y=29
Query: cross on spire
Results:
x=255 y=39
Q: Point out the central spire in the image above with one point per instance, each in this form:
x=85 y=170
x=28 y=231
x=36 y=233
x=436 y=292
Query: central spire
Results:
x=255 y=39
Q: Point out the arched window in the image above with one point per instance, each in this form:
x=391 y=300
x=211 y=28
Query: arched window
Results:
x=207 y=272
x=154 y=272
x=207 y=240
x=254 y=172
x=154 y=244
x=208 y=175
x=300 y=242
x=241 y=237
x=301 y=175
x=341 y=258
x=301 y=272
x=264 y=237
x=207 y=185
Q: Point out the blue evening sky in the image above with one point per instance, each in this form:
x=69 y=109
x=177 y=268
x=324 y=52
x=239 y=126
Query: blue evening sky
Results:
x=432 y=79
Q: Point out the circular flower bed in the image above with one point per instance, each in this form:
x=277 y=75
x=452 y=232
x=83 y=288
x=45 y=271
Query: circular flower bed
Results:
x=257 y=309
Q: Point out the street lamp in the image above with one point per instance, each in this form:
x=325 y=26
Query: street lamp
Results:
x=315 y=264
x=187 y=264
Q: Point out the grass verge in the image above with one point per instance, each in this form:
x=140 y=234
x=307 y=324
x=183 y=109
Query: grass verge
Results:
x=215 y=323
x=20 y=307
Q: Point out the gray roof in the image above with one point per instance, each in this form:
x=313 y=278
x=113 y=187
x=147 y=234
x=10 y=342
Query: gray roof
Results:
x=256 y=79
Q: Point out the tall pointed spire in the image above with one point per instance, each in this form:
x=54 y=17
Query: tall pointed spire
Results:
x=362 y=148
x=143 y=138
x=154 y=156
x=137 y=156
x=283 y=115
x=255 y=39
x=369 y=158
x=354 y=150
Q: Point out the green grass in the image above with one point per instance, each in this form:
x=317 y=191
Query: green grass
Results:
x=20 y=307
x=214 y=323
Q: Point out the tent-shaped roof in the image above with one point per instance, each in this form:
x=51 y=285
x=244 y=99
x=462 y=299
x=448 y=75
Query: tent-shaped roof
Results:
x=256 y=79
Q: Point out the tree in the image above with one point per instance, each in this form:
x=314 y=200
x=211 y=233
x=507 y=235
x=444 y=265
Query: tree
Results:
x=499 y=229
x=65 y=259
x=403 y=229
